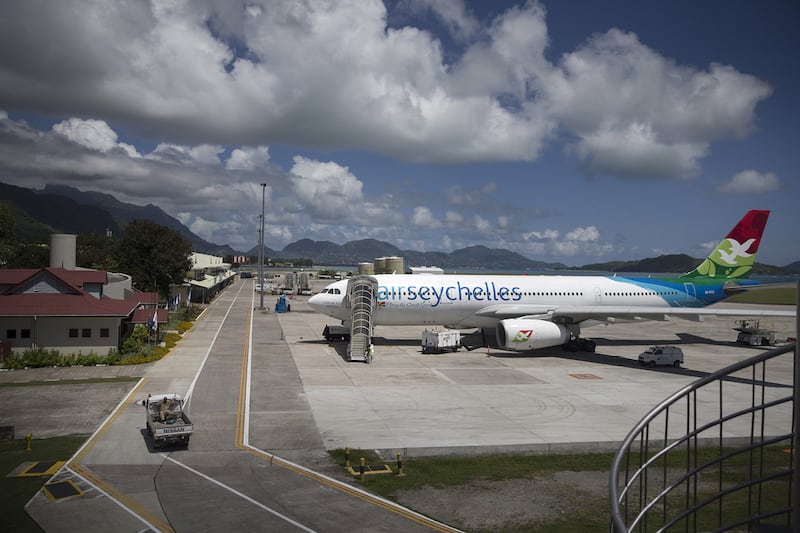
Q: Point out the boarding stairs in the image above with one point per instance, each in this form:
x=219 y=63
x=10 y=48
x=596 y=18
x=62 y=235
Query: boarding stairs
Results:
x=362 y=299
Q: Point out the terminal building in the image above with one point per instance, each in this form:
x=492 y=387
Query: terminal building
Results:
x=77 y=310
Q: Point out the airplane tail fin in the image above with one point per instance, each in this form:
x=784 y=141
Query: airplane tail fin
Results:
x=733 y=258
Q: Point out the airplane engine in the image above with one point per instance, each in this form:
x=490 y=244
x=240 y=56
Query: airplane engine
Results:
x=520 y=334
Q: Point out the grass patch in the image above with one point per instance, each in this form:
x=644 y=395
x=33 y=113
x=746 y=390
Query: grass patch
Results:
x=584 y=511
x=441 y=472
x=17 y=491
x=776 y=296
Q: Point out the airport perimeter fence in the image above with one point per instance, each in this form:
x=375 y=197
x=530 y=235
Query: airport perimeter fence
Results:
x=716 y=455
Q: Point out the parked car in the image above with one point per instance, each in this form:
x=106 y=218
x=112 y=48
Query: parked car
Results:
x=661 y=356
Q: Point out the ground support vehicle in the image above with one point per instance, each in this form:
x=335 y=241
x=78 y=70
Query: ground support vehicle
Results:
x=336 y=333
x=166 y=420
x=661 y=356
x=282 y=305
x=752 y=334
x=440 y=341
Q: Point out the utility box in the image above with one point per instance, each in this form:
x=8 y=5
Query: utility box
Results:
x=440 y=341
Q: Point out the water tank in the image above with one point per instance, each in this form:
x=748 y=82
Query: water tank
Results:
x=366 y=269
x=394 y=265
x=380 y=265
x=62 y=250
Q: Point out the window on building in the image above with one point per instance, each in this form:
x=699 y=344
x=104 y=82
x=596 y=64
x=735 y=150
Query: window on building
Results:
x=104 y=332
x=24 y=334
x=73 y=333
x=86 y=332
x=11 y=334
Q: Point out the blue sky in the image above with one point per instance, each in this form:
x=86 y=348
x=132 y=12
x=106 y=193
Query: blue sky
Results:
x=569 y=131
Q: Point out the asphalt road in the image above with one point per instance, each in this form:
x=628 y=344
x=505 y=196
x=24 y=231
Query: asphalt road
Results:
x=237 y=373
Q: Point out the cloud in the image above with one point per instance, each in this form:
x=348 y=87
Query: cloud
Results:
x=327 y=189
x=248 y=158
x=637 y=114
x=334 y=75
x=580 y=241
x=454 y=15
x=423 y=216
x=93 y=134
x=457 y=195
x=752 y=182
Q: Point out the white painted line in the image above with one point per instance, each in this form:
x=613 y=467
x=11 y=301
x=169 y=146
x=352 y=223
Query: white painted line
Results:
x=239 y=494
x=246 y=432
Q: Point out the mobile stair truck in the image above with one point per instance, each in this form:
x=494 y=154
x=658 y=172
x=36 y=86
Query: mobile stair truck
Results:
x=166 y=420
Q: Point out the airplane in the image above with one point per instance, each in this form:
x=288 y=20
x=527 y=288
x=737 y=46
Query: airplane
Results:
x=542 y=311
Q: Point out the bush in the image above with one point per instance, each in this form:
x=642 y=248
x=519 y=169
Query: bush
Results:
x=184 y=326
x=188 y=313
x=41 y=357
x=137 y=342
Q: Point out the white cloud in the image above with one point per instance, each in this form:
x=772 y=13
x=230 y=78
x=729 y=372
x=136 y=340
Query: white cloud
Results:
x=548 y=235
x=456 y=195
x=327 y=189
x=248 y=158
x=94 y=134
x=638 y=114
x=423 y=216
x=203 y=154
x=453 y=13
x=453 y=218
x=752 y=182
x=587 y=234
x=334 y=75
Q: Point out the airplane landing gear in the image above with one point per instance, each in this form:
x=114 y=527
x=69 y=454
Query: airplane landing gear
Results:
x=580 y=345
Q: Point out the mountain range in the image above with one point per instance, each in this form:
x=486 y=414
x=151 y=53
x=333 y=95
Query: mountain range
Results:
x=61 y=209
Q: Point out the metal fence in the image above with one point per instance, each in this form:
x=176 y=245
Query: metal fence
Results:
x=715 y=456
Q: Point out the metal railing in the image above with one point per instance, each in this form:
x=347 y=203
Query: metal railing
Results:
x=708 y=458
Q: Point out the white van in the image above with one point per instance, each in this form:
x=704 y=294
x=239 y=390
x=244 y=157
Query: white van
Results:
x=661 y=356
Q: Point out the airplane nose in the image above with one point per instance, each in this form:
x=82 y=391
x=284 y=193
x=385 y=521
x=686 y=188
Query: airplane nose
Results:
x=314 y=302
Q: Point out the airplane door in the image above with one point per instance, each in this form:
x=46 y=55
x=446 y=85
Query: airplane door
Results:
x=598 y=295
x=691 y=291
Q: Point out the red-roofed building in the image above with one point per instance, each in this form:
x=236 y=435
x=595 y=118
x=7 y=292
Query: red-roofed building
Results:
x=67 y=310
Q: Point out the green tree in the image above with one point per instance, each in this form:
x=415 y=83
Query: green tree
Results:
x=7 y=239
x=154 y=256
x=98 y=252
x=27 y=255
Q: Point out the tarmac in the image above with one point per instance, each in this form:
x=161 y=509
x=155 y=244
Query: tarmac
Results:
x=304 y=399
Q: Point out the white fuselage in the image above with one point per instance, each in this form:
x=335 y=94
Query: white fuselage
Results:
x=463 y=301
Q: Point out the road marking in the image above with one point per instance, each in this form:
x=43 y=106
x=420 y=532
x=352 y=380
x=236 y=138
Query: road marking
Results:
x=240 y=494
x=188 y=396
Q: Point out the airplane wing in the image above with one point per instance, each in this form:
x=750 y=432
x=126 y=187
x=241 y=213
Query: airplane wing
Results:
x=612 y=313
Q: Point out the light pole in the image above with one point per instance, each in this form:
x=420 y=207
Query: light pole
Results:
x=261 y=249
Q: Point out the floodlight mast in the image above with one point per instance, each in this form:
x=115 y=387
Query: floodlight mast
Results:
x=261 y=250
